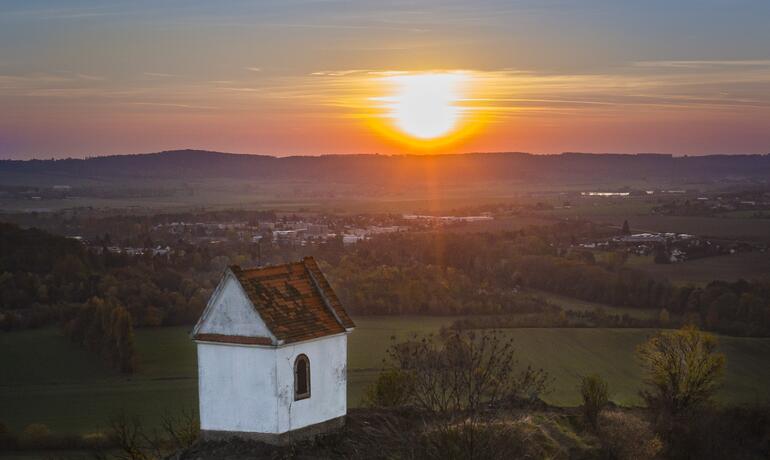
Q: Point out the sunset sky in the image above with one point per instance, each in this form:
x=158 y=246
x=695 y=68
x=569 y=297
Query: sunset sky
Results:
x=84 y=78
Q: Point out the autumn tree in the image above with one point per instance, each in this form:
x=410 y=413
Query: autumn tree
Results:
x=122 y=336
x=683 y=371
x=106 y=329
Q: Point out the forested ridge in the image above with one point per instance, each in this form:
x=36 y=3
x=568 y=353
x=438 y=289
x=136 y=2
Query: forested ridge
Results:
x=196 y=164
x=39 y=270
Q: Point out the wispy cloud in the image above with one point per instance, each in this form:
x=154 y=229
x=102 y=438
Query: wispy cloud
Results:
x=506 y=93
x=339 y=26
x=159 y=74
x=704 y=63
x=718 y=86
x=84 y=76
x=244 y=89
x=338 y=73
x=71 y=13
x=43 y=79
x=173 y=105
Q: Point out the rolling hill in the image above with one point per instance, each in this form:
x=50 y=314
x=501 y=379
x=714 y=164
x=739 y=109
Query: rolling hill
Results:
x=472 y=167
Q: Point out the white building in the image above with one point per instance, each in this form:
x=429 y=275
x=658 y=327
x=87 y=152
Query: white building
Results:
x=272 y=355
x=352 y=239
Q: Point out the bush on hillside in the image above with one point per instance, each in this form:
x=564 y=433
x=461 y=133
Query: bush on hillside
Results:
x=391 y=389
x=593 y=390
x=625 y=436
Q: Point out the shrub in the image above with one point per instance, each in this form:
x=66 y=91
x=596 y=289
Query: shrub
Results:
x=8 y=440
x=136 y=442
x=595 y=395
x=391 y=389
x=502 y=439
x=481 y=441
x=625 y=436
x=735 y=433
x=35 y=435
x=664 y=317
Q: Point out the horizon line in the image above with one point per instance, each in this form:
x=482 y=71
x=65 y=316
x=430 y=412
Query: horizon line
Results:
x=389 y=155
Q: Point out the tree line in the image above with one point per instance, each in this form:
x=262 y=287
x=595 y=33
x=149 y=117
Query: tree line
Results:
x=463 y=273
x=437 y=273
x=43 y=276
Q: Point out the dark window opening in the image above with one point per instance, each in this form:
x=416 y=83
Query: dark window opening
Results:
x=301 y=378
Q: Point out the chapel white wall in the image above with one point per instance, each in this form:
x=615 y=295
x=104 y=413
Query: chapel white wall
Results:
x=328 y=382
x=237 y=388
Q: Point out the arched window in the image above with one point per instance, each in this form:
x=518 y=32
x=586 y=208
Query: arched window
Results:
x=301 y=378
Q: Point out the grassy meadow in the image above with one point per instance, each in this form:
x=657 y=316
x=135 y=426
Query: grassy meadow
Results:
x=731 y=267
x=47 y=380
x=569 y=303
x=638 y=212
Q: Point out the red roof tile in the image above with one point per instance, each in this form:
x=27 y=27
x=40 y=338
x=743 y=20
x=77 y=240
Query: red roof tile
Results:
x=294 y=300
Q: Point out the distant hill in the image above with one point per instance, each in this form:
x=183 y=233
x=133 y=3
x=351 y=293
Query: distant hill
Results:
x=567 y=167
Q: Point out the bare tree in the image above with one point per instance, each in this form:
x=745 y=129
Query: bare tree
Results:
x=464 y=372
x=462 y=381
x=180 y=431
x=129 y=436
x=135 y=442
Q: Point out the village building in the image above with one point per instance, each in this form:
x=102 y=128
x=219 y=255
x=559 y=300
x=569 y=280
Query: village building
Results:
x=272 y=355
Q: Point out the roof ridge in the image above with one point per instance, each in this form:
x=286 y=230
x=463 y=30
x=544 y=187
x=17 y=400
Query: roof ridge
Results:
x=238 y=268
x=328 y=292
x=320 y=291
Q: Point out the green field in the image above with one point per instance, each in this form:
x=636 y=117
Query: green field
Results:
x=732 y=267
x=638 y=212
x=44 y=379
x=569 y=303
x=614 y=209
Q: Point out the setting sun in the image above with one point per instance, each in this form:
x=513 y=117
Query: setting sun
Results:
x=425 y=106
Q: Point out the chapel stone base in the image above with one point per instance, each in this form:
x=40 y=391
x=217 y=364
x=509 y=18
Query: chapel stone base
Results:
x=279 y=439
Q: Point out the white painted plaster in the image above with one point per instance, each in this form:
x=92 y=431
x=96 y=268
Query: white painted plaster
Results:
x=230 y=312
x=328 y=382
x=236 y=388
x=251 y=388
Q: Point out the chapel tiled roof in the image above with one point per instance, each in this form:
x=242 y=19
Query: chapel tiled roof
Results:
x=294 y=300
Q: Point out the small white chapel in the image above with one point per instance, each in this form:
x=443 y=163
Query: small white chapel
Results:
x=272 y=355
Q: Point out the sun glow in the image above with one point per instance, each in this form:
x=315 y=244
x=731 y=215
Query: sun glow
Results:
x=425 y=105
x=424 y=108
